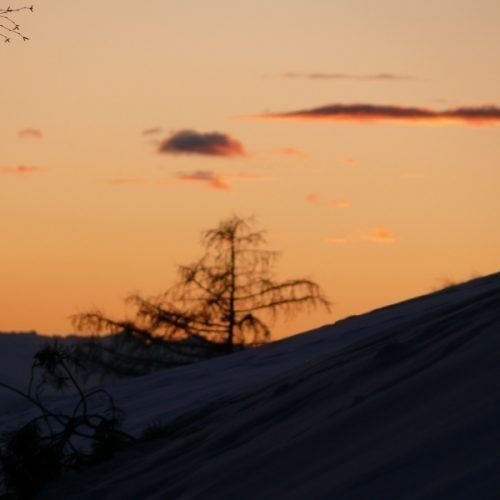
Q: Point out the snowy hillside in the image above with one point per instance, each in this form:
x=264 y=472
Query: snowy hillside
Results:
x=403 y=402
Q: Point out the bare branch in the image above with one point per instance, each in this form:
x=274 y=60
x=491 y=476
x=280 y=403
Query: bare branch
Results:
x=8 y=26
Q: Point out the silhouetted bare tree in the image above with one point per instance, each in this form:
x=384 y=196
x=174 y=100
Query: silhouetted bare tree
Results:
x=8 y=24
x=220 y=302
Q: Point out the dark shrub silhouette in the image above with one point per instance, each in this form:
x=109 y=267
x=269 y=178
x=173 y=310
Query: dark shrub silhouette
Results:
x=39 y=450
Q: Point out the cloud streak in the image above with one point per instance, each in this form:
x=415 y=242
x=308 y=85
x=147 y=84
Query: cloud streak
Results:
x=369 y=113
x=380 y=235
x=371 y=77
x=198 y=143
x=21 y=170
x=341 y=203
x=293 y=153
x=152 y=131
x=313 y=198
x=349 y=162
x=206 y=177
x=30 y=133
x=376 y=235
x=218 y=181
x=316 y=199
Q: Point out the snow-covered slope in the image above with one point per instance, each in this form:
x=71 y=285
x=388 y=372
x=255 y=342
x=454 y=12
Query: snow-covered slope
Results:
x=403 y=402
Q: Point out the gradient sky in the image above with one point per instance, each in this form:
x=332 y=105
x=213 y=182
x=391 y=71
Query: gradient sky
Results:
x=363 y=135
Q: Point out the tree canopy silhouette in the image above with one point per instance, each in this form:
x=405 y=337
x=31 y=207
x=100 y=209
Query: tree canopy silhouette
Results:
x=8 y=24
x=221 y=303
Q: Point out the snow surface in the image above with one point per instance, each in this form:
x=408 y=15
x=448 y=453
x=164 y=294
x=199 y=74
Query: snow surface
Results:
x=403 y=402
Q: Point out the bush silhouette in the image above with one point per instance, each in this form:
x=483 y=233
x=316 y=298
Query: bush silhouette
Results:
x=39 y=450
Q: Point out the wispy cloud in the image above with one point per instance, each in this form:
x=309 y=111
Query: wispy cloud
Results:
x=317 y=199
x=30 y=133
x=370 y=77
x=380 y=235
x=218 y=181
x=468 y=115
x=341 y=203
x=313 y=198
x=375 y=235
x=206 y=177
x=337 y=240
x=293 y=153
x=152 y=131
x=349 y=162
x=22 y=170
x=199 y=143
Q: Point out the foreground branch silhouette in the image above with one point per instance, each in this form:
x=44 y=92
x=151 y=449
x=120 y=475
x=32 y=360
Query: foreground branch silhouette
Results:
x=40 y=449
x=8 y=25
x=219 y=304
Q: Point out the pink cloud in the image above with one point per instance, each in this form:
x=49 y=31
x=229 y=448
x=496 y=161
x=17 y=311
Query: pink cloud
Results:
x=317 y=199
x=349 y=162
x=207 y=177
x=293 y=153
x=375 y=235
x=341 y=203
x=22 y=170
x=218 y=181
x=313 y=198
x=30 y=133
x=380 y=235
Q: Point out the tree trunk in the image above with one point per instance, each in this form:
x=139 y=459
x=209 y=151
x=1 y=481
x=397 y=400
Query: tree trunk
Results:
x=232 y=294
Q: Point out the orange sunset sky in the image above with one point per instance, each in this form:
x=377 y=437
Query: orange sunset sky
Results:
x=363 y=134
